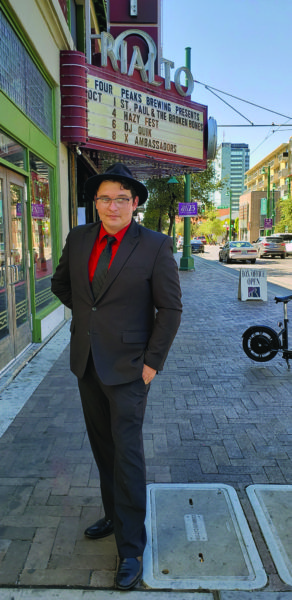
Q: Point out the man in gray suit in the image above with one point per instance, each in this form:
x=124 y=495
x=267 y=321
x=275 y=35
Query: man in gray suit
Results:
x=121 y=282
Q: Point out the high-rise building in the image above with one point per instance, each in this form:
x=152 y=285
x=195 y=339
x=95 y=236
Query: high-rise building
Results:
x=231 y=163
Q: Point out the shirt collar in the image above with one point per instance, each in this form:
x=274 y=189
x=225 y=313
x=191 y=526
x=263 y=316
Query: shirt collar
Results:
x=119 y=235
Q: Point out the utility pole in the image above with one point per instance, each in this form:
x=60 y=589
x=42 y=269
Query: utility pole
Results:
x=230 y=214
x=268 y=193
x=187 y=261
x=173 y=180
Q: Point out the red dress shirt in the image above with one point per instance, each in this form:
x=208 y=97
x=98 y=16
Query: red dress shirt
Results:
x=100 y=244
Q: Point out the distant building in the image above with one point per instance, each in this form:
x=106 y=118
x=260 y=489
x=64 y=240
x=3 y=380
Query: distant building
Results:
x=266 y=182
x=276 y=166
x=231 y=163
x=252 y=215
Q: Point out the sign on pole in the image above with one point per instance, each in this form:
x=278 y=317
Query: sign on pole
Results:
x=264 y=206
x=252 y=284
x=268 y=223
x=188 y=209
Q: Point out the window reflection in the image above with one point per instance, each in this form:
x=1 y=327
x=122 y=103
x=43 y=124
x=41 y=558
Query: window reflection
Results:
x=41 y=230
x=3 y=291
x=12 y=151
x=17 y=254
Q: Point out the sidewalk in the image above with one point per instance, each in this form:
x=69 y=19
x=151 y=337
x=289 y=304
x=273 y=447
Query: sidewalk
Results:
x=213 y=416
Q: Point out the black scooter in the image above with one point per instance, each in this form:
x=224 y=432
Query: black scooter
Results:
x=261 y=343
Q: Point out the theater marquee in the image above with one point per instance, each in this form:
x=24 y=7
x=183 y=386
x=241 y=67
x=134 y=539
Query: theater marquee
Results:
x=136 y=122
x=118 y=114
x=124 y=107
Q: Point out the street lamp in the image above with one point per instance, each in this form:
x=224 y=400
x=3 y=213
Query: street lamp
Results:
x=288 y=181
x=230 y=211
x=187 y=261
x=268 y=190
x=174 y=181
x=273 y=206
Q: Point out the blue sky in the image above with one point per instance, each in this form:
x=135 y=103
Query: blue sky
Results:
x=242 y=47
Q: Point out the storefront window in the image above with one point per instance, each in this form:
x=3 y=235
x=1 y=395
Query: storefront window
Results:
x=41 y=176
x=12 y=151
x=18 y=253
x=3 y=291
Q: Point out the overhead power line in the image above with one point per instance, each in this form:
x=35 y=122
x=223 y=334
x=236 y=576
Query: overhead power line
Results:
x=259 y=125
x=251 y=124
x=232 y=107
x=211 y=88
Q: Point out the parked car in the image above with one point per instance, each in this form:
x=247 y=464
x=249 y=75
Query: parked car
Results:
x=197 y=246
x=237 y=251
x=270 y=245
x=201 y=237
x=287 y=238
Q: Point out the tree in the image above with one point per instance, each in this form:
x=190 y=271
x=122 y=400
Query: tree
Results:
x=285 y=208
x=162 y=206
x=153 y=215
x=212 y=226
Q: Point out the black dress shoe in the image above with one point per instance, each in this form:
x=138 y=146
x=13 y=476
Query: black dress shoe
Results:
x=129 y=573
x=100 y=529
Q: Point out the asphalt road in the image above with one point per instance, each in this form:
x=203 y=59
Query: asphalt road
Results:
x=279 y=271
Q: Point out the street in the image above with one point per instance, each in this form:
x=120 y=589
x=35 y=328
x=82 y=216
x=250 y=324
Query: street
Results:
x=278 y=271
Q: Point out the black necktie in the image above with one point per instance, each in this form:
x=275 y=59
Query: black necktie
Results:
x=102 y=267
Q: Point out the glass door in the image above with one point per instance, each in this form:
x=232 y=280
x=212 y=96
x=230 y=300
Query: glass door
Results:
x=15 y=333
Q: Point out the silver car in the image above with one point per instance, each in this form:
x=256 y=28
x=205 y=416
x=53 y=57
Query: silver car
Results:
x=287 y=238
x=240 y=251
x=270 y=245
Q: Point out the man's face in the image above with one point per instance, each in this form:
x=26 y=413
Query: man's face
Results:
x=115 y=216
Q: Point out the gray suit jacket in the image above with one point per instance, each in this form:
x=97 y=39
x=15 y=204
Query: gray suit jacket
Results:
x=137 y=314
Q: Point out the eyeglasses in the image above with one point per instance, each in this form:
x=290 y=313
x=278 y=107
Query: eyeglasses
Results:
x=120 y=201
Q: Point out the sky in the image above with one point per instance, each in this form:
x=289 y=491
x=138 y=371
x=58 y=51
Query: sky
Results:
x=242 y=47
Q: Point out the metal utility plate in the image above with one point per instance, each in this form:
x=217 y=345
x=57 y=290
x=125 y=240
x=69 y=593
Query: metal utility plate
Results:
x=198 y=538
x=272 y=505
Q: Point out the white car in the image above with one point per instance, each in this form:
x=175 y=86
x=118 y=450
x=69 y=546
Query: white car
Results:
x=237 y=251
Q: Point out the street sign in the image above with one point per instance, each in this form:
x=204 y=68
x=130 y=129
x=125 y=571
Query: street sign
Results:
x=263 y=206
x=188 y=209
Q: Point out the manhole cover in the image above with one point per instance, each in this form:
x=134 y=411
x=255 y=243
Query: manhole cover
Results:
x=198 y=537
x=272 y=505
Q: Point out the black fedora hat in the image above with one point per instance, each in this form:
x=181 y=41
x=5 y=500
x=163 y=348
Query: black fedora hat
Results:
x=116 y=172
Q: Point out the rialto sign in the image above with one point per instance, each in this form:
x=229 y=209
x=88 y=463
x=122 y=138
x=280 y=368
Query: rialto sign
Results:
x=116 y=49
x=133 y=111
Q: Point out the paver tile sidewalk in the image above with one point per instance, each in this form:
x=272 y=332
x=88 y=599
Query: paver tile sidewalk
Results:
x=212 y=416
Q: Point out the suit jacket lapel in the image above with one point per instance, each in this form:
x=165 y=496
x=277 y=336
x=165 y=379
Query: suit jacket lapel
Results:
x=128 y=243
